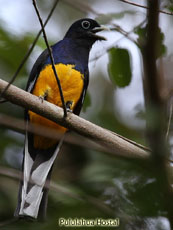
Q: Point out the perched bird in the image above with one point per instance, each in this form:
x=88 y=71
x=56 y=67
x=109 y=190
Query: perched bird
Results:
x=71 y=62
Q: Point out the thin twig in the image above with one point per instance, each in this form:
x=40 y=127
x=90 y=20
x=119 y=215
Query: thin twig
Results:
x=86 y=8
x=81 y=6
x=145 y=7
x=29 y=51
x=51 y=58
x=125 y=34
x=169 y=121
x=95 y=202
x=105 y=50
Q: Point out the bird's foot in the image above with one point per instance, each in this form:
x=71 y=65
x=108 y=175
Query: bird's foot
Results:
x=44 y=96
x=68 y=106
x=41 y=98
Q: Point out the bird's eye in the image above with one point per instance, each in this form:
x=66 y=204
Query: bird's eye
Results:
x=86 y=25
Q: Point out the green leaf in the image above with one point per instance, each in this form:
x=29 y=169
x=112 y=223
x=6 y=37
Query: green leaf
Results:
x=161 y=47
x=142 y=37
x=119 y=67
x=141 y=32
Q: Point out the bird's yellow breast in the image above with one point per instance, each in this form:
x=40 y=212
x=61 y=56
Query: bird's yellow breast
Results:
x=72 y=83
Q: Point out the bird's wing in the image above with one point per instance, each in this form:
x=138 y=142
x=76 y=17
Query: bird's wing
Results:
x=36 y=69
x=82 y=97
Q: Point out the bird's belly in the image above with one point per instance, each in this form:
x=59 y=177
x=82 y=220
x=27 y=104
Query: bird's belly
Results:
x=72 y=82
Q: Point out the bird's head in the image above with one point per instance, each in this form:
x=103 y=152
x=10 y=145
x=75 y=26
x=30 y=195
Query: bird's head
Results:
x=85 y=29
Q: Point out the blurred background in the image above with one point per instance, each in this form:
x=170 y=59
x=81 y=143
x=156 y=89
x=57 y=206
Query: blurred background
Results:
x=86 y=183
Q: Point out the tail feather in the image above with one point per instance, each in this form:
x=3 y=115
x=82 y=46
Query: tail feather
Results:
x=33 y=194
x=37 y=180
x=28 y=163
x=32 y=202
x=44 y=201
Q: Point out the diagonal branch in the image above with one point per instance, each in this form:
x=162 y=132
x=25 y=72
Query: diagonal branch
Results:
x=28 y=53
x=145 y=7
x=19 y=126
x=111 y=141
x=51 y=58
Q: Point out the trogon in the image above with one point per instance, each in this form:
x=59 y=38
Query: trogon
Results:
x=71 y=62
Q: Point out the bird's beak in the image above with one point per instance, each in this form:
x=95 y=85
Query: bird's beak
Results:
x=99 y=29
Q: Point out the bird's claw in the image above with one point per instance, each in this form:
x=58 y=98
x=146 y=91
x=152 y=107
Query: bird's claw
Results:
x=41 y=98
x=69 y=110
x=68 y=106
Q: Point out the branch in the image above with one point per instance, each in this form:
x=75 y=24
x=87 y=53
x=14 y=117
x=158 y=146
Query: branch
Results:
x=19 y=126
x=145 y=7
x=118 y=145
x=155 y=103
x=29 y=52
x=51 y=58
x=125 y=34
x=156 y=109
x=95 y=202
x=169 y=121
x=85 y=8
x=81 y=6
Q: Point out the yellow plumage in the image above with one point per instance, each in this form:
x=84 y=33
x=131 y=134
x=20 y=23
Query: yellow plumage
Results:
x=72 y=82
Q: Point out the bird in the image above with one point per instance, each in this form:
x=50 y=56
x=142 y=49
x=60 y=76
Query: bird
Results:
x=71 y=56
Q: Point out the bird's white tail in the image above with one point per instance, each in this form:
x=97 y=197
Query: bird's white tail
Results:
x=34 y=179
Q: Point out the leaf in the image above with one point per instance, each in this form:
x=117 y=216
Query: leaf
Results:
x=119 y=67
x=142 y=37
x=107 y=18
x=141 y=32
x=161 y=47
